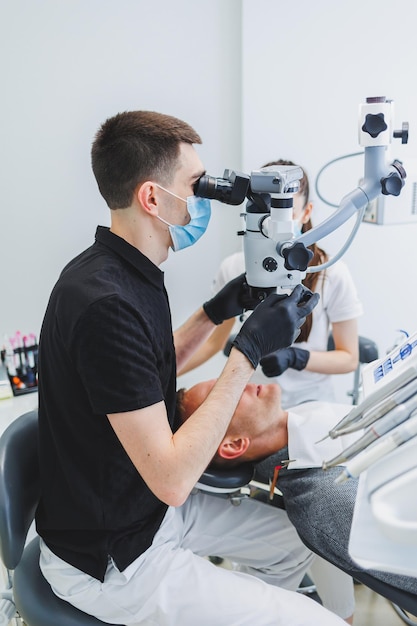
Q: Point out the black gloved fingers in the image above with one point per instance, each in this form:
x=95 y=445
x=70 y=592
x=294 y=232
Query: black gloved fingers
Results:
x=301 y=358
x=276 y=363
x=272 y=326
x=305 y=299
x=227 y=302
x=275 y=323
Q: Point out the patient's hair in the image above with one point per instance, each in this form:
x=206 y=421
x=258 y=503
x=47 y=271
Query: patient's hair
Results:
x=179 y=408
x=319 y=255
x=136 y=146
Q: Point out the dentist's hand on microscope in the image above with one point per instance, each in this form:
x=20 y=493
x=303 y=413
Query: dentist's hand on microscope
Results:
x=275 y=323
x=231 y=301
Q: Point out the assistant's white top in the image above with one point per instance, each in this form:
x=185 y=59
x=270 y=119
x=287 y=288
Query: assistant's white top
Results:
x=338 y=302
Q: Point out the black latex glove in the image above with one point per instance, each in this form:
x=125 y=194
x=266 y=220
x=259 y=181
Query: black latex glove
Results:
x=231 y=301
x=276 y=363
x=275 y=323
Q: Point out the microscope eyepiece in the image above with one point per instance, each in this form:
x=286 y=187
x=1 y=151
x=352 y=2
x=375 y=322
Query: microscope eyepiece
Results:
x=231 y=189
x=213 y=188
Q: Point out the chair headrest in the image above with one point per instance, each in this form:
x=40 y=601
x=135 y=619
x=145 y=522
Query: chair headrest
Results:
x=218 y=480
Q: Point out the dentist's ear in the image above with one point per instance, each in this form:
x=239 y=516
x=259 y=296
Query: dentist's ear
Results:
x=233 y=448
x=146 y=195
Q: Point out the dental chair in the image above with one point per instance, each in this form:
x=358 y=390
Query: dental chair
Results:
x=27 y=595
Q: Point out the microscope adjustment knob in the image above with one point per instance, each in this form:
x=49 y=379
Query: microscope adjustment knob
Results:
x=269 y=264
x=399 y=167
x=297 y=257
x=403 y=133
x=374 y=124
x=391 y=185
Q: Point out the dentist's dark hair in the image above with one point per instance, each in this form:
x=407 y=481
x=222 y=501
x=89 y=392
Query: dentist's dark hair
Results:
x=136 y=146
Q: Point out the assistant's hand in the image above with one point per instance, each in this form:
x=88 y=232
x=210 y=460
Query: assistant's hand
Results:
x=276 y=363
x=275 y=323
x=231 y=301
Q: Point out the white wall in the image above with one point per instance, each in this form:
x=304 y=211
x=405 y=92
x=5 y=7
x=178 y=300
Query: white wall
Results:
x=66 y=67
x=306 y=68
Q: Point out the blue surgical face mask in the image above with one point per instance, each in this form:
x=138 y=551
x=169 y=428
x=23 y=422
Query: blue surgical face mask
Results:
x=297 y=229
x=200 y=212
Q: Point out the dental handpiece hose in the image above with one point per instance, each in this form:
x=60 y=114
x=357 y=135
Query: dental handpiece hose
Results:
x=389 y=442
x=382 y=396
x=374 y=432
x=397 y=398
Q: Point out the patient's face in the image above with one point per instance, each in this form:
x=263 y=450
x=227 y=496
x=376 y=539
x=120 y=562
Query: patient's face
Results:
x=257 y=415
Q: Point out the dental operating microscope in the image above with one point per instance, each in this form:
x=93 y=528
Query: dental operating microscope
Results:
x=275 y=259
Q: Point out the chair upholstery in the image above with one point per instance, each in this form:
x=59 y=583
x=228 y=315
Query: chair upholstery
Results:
x=34 y=599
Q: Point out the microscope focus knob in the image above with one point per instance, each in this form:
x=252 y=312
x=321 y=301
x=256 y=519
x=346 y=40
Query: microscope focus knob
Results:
x=403 y=133
x=374 y=124
x=391 y=185
x=297 y=257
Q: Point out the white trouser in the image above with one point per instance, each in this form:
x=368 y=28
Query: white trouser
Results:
x=171 y=584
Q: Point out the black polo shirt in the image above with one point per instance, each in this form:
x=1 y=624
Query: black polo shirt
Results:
x=106 y=346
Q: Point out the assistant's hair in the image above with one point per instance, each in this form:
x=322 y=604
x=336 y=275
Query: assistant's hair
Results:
x=135 y=146
x=319 y=255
